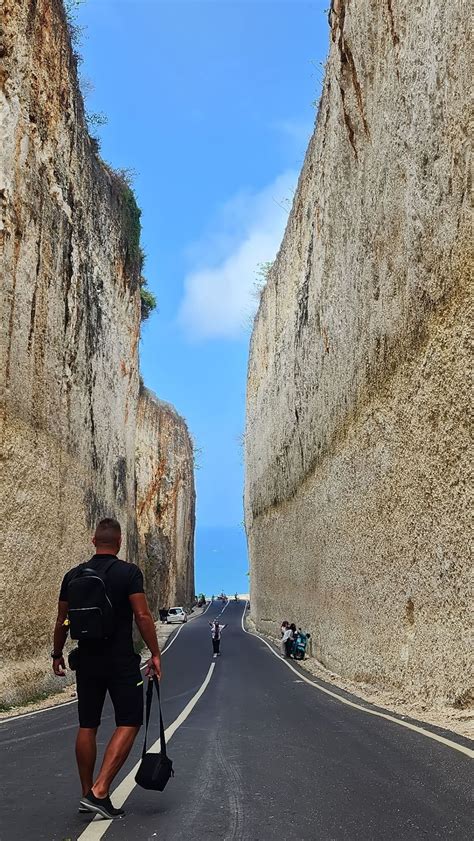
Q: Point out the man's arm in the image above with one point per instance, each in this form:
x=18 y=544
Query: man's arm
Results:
x=146 y=626
x=60 y=634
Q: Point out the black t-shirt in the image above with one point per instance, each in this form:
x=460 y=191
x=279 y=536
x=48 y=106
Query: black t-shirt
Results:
x=122 y=580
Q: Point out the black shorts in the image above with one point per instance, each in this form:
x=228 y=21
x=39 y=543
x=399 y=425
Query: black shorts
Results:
x=123 y=681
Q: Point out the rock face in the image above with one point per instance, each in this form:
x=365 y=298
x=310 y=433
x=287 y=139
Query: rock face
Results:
x=165 y=503
x=70 y=323
x=357 y=438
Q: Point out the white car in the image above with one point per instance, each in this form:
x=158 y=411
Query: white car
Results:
x=176 y=614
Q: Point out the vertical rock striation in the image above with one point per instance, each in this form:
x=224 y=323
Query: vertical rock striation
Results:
x=70 y=316
x=70 y=323
x=357 y=469
x=165 y=503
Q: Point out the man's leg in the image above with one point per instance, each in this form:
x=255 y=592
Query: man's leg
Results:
x=91 y=691
x=86 y=753
x=115 y=755
x=126 y=693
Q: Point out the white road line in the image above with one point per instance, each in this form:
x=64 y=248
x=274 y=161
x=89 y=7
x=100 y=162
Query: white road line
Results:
x=74 y=700
x=222 y=611
x=98 y=826
x=37 y=712
x=242 y=621
x=169 y=644
x=190 y=618
x=386 y=716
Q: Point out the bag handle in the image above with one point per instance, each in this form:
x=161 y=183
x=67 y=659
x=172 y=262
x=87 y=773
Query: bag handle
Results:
x=149 y=698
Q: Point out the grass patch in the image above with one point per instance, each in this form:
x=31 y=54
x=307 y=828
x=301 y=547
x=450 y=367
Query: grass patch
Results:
x=147 y=300
x=131 y=214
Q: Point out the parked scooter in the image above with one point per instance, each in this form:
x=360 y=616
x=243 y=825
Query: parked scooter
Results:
x=300 y=644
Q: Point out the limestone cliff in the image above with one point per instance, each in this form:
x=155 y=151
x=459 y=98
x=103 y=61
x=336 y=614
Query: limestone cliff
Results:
x=165 y=503
x=357 y=469
x=70 y=322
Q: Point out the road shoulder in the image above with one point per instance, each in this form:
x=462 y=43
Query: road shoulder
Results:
x=67 y=694
x=447 y=719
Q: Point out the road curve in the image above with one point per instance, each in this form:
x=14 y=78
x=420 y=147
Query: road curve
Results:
x=259 y=755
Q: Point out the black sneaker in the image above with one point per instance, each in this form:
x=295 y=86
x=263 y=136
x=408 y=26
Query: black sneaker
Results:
x=101 y=806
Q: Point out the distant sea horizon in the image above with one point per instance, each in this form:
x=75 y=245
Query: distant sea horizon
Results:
x=221 y=561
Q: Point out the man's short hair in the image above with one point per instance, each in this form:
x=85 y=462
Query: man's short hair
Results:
x=108 y=531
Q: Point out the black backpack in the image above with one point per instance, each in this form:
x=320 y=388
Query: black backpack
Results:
x=90 y=611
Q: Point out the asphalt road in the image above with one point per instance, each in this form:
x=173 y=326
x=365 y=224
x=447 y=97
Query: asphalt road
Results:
x=262 y=756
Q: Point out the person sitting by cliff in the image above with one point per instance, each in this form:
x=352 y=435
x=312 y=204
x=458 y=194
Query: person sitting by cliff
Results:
x=97 y=602
x=294 y=634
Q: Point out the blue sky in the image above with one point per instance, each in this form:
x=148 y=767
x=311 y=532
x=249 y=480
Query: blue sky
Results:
x=211 y=103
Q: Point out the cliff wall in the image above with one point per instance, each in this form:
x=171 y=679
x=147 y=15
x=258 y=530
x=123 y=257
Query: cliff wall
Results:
x=70 y=324
x=165 y=503
x=357 y=469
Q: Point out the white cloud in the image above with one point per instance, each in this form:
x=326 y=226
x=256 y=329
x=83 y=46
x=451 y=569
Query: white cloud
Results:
x=218 y=298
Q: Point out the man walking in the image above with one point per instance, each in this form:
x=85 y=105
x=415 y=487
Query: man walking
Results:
x=106 y=661
x=216 y=630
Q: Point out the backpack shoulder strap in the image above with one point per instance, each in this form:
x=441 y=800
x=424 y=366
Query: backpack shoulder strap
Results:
x=77 y=570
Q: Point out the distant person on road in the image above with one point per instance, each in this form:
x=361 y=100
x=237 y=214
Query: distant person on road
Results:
x=216 y=630
x=97 y=601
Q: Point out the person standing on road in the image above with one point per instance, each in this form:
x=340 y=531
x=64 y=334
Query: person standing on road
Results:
x=216 y=630
x=287 y=641
x=292 y=639
x=284 y=627
x=105 y=660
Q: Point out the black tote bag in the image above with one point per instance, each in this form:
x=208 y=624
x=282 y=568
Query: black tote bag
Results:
x=155 y=768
